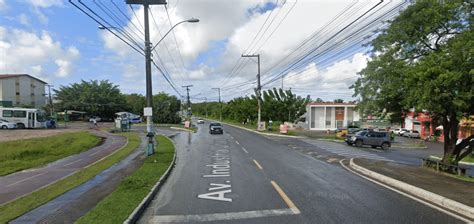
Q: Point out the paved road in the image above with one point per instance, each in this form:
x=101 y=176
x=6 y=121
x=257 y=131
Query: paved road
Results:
x=21 y=183
x=242 y=177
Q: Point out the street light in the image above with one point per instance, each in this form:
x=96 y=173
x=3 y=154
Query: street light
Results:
x=192 y=20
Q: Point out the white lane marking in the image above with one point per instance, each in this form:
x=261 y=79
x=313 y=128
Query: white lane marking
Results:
x=25 y=179
x=406 y=195
x=220 y=216
x=237 y=142
x=258 y=164
x=245 y=150
x=73 y=162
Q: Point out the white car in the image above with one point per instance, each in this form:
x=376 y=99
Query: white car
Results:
x=91 y=119
x=4 y=124
x=401 y=131
x=412 y=134
x=200 y=121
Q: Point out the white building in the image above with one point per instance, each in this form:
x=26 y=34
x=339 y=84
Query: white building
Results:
x=22 y=89
x=324 y=116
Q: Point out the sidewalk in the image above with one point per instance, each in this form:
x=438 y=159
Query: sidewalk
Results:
x=24 y=182
x=446 y=186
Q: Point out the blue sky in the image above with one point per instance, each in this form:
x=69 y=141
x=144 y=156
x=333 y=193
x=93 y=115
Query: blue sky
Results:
x=52 y=40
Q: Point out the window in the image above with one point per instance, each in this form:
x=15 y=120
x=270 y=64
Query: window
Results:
x=7 y=113
x=19 y=113
x=17 y=93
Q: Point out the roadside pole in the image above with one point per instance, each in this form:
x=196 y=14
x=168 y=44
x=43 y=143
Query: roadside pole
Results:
x=220 y=104
x=259 y=87
x=148 y=111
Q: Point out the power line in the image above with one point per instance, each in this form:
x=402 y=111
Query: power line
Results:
x=105 y=25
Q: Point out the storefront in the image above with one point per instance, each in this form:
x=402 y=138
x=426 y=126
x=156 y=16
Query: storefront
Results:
x=324 y=116
x=419 y=121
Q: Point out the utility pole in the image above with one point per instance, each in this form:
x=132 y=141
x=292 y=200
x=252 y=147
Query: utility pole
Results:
x=51 y=108
x=259 y=87
x=205 y=101
x=149 y=93
x=188 y=110
x=220 y=105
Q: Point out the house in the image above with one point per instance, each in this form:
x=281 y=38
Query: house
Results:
x=419 y=121
x=22 y=90
x=327 y=115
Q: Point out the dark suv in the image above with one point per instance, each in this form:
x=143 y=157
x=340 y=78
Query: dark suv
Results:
x=215 y=128
x=372 y=138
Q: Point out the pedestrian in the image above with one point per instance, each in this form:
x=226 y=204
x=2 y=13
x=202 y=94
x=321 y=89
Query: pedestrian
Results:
x=95 y=123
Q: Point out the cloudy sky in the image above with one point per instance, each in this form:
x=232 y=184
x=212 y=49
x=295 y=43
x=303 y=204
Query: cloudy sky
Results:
x=315 y=44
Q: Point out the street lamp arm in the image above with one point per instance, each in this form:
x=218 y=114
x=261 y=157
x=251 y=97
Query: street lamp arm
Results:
x=184 y=21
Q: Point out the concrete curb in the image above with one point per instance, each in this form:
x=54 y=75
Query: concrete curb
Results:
x=408 y=147
x=439 y=200
x=133 y=218
x=182 y=129
x=261 y=133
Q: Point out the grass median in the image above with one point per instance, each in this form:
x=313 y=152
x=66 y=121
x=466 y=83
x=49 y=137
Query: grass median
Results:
x=24 y=154
x=24 y=204
x=116 y=207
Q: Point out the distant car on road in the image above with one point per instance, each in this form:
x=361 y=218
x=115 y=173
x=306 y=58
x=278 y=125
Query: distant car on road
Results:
x=200 y=121
x=136 y=120
x=372 y=138
x=411 y=134
x=401 y=131
x=91 y=119
x=215 y=128
x=4 y=124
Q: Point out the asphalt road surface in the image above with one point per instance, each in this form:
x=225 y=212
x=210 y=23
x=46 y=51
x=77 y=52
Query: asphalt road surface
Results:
x=243 y=177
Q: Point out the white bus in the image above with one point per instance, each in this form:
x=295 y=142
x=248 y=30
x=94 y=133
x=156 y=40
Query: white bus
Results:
x=24 y=117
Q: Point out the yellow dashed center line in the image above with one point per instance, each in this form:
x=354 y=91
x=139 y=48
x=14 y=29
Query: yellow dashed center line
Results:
x=258 y=164
x=285 y=198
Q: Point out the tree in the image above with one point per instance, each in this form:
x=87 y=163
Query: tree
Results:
x=338 y=101
x=135 y=103
x=99 y=98
x=424 y=60
x=166 y=108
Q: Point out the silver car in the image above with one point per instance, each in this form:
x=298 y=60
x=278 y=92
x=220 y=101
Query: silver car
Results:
x=412 y=134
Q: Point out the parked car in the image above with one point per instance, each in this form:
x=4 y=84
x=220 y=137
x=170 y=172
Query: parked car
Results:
x=412 y=134
x=4 y=124
x=215 y=128
x=372 y=138
x=136 y=120
x=200 y=121
x=400 y=133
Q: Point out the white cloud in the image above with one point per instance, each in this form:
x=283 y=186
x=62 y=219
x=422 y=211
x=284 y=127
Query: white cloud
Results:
x=34 y=53
x=233 y=26
x=24 y=19
x=3 y=5
x=45 y=3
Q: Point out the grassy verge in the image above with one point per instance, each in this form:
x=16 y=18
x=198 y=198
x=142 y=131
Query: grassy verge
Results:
x=22 y=205
x=24 y=154
x=116 y=207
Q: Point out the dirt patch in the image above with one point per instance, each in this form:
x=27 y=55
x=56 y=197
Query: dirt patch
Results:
x=18 y=134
